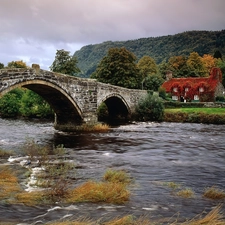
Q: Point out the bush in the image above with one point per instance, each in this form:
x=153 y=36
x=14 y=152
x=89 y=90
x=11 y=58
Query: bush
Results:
x=162 y=93
x=220 y=98
x=150 y=109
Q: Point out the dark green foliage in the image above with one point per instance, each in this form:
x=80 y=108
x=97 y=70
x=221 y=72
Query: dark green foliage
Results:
x=220 y=98
x=150 y=109
x=102 y=112
x=159 y=48
x=64 y=63
x=33 y=105
x=217 y=54
x=221 y=65
x=162 y=93
x=1 y=65
x=9 y=105
x=153 y=82
x=177 y=104
x=118 y=68
x=23 y=102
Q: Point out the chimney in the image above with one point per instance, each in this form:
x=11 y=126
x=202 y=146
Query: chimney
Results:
x=169 y=75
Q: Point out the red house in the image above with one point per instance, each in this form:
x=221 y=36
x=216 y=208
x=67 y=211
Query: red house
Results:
x=203 y=89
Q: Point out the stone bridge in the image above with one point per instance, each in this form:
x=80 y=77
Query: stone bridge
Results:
x=74 y=100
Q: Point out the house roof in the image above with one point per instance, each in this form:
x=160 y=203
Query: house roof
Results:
x=210 y=82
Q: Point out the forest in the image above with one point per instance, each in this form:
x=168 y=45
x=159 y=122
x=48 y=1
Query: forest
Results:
x=159 y=48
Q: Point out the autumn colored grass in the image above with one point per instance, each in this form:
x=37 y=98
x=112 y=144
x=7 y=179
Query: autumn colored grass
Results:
x=214 y=193
x=214 y=217
x=95 y=127
x=116 y=176
x=31 y=198
x=185 y=193
x=8 y=183
x=172 y=185
x=92 y=191
x=4 y=153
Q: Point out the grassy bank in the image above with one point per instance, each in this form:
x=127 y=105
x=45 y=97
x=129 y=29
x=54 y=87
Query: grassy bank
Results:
x=195 y=115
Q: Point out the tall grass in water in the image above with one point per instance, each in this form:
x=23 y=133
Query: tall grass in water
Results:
x=214 y=193
x=8 y=183
x=4 y=153
x=117 y=176
x=92 y=191
x=212 y=218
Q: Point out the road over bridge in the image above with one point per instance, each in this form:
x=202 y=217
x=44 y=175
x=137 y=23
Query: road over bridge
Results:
x=74 y=100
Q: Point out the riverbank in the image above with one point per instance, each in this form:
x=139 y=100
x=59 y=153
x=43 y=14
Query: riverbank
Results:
x=206 y=115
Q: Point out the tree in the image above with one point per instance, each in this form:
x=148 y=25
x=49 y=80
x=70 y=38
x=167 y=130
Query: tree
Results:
x=64 y=63
x=196 y=65
x=147 y=66
x=209 y=62
x=153 y=82
x=1 y=65
x=178 y=66
x=217 y=55
x=10 y=103
x=118 y=67
x=221 y=64
x=33 y=105
x=17 y=64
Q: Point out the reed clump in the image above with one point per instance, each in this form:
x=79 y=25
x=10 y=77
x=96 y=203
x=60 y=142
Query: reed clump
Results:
x=214 y=217
x=117 y=176
x=93 y=191
x=30 y=198
x=172 y=185
x=8 y=183
x=186 y=193
x=4 y=153
x=98 y=127
x=214 y=193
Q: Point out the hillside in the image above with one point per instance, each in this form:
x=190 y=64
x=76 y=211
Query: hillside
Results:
x=159 y=48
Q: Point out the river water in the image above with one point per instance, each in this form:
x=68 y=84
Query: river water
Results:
x=192 y=155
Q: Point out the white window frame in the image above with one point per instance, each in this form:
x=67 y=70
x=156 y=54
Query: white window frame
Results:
x=175 y=89
x=175 y=97
x=201 y=89
x=196 y=97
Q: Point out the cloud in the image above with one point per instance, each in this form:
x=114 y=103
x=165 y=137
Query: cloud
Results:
x=34 y=30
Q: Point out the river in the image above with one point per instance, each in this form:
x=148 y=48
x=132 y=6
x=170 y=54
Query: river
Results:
x=192 y=155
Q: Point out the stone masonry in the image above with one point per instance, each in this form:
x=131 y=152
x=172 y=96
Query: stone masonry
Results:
x=74 y=100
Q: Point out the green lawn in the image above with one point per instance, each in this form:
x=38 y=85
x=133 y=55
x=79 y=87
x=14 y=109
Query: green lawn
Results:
x=220 y=111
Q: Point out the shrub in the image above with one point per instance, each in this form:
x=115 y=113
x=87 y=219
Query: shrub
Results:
x=220 y=98
x=102 y=112
x=150 y=109
x=162 y=93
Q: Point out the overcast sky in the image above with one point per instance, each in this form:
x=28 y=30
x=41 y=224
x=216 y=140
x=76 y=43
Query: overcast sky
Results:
x=32 y=30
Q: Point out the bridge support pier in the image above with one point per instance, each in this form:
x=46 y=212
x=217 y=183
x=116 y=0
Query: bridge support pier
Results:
x=68 y=124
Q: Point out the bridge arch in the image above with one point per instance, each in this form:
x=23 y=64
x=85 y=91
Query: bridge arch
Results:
x=118 y=108
x=65 y=108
